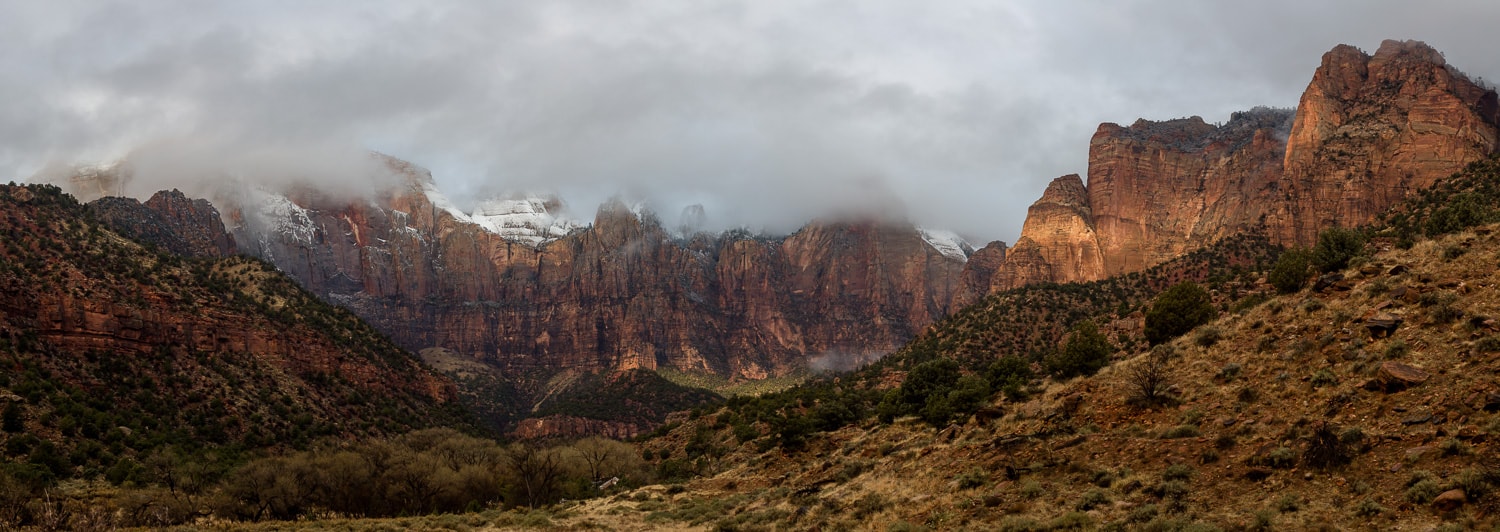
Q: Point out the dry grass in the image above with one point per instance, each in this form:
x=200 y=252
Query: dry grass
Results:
x=1044 y=466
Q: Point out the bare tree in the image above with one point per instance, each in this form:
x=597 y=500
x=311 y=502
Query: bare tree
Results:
x=1148 y=378
x=537 y=473
x=595 y=451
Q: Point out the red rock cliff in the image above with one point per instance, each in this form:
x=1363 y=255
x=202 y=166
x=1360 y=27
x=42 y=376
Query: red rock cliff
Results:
x=1372 y=129
x=1369 y=130
x=619 y=294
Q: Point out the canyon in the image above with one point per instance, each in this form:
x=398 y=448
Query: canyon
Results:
x=528 y=294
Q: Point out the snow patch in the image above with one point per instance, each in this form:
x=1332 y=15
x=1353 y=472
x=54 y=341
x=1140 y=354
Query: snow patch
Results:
x=947 y=242
x=440 y=201
x=529 y=220
x=282 y=216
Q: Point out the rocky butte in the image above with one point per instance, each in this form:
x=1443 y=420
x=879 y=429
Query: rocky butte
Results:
x=1368 y=131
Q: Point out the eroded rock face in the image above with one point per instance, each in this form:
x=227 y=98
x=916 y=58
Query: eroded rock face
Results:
x=1369 y=130
x=1159 y=189
x=1061 y=225
x=979 y=273
x=621 y=293
x=560 y=426
x=1372 y=129
x=169 y=220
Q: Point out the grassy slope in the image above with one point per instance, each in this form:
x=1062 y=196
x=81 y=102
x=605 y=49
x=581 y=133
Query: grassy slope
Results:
x=1232 y=454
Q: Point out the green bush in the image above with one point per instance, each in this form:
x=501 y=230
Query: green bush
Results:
x=1178 y=310
x=1290 y=273
x=1335 y=247
x=1086 y=352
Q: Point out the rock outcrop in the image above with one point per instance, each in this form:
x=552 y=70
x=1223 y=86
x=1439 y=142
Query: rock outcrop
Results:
x=1061 y=225
x=169 y=220
x=1368 y=131
x=1372 y=129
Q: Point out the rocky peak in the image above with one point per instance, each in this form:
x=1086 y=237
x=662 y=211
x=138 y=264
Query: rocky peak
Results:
x=1066 y=191
x=169 y=220
x=1371 y=130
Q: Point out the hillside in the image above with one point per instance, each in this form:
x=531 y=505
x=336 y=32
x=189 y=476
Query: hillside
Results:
x=1291 y=411
x=116 y=353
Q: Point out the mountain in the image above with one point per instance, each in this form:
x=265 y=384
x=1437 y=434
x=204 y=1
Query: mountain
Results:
x=1365 y=403
x=1368 y=132
x=531 y=295
x=114 y=351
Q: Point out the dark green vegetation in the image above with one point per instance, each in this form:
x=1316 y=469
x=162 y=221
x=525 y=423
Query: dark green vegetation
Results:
x=422 y=472
x=1291 y=272
x=1085 y=353
x=1468 y=199
x=1180 y=309
x=638 y=396
x=1335 y=248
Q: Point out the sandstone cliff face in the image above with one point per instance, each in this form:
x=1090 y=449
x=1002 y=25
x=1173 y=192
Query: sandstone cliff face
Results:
x=1061 y=226
x=1158 y=189
x=979 y=273
x=1371 y=129
x=621 y=293
x=1368 y=131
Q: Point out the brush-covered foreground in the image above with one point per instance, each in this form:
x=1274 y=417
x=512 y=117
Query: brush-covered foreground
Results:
x=1277 y=417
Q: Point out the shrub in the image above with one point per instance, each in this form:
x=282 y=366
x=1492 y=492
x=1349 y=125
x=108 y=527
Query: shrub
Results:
x=1335 y=247
x=1094 y=498
x=1009 y=375
x=1032 y=489
x=1423 y=491
x=1178 y=310
x=1180 y=431
x=1229 y=372
x=1368 y=508
x=1288 y=503
x=1208 y=336
x=1278 y=458
x=973 y=478
x=1177 y=472
x=1322 y=378
x=1086 y=352
x=1454 y=447
x=1396 y=349
x=1291 y=272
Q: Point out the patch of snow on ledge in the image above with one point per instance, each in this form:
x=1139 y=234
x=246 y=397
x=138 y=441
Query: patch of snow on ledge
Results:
x=529 y=220
x=947 y=242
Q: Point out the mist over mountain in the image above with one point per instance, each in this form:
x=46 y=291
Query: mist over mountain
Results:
x=768 y=114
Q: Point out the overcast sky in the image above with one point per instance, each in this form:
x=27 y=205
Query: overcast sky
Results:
x=954 y=114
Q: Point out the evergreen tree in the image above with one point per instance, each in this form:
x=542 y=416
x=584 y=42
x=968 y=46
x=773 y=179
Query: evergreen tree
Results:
x=1181 y=308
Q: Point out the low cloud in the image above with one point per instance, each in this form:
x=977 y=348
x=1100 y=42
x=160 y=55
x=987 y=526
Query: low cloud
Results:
x=766 y=113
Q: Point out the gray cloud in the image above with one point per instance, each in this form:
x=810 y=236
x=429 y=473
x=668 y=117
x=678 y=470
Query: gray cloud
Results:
x=769 y=113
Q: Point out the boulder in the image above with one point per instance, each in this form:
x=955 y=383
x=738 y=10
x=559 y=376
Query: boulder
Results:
x=1449 y=501
x=1382 y=324
x=1395 y=376
x=1327 y=280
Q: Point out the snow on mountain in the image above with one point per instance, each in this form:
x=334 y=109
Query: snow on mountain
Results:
x=280 y=215
x=530 y=220
x=947 y=242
